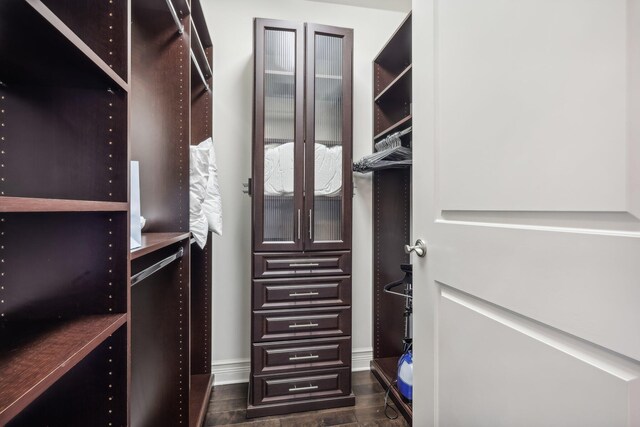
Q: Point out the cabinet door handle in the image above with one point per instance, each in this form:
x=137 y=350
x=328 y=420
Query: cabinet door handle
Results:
x=306 y=325
x=304 y=294
x=311 y=356
x=310 y=225
x=305 y=264
x=309 y=387
x=299 y=226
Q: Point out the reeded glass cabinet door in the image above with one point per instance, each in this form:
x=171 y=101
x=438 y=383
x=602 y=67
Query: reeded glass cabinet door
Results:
x=278 y=151
x=328 y=137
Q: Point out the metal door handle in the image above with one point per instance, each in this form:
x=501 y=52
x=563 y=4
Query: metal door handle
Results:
x=311 y=356
x=304 y=294
x=420 y=248
x=306 y=325
x=305 y=264
x=310 y=387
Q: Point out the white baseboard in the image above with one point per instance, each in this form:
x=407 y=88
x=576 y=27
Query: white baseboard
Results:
x=231 y=371
x=234 y=371
x=360 y=359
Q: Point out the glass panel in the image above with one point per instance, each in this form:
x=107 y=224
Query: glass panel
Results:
x=279 y=129
x=328 y=193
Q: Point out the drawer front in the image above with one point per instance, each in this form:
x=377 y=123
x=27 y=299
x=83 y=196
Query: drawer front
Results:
x=297 y=324
x=302 y=386
x=266 y=265
x=298 y=293
x=301 y=355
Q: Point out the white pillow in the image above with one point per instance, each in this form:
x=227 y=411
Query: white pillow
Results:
x=212 y=204
x=198 y=174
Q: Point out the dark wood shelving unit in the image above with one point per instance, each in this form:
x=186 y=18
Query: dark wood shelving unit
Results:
x=392 y=208
x=35 y=356
x=384 y=370
x=83 y=92
x=64 y=212
x=171 y=107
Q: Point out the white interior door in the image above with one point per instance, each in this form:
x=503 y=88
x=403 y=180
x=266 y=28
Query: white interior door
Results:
x=526 y=185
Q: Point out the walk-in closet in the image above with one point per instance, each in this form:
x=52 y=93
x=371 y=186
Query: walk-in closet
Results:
x=293 y=213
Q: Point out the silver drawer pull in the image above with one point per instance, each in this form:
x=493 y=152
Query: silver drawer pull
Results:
x=311 y=356
x=309 y=387
x=306 y=325
x=305 y=264
x=304 y=294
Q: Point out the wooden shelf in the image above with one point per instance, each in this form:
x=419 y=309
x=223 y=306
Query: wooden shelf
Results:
x=397 y=51
x=27 y=204
x=279 y=73
x=49 y=41
x=398 y=126
x=328 y=77
x=385 y=370
x=35 y=355
x=152 y=242
x=199 y=398
x=400 y=88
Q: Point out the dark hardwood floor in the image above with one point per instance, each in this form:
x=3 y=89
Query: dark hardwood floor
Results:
x=229 y=402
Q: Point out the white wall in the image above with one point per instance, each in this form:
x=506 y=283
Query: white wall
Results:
x=231 y=26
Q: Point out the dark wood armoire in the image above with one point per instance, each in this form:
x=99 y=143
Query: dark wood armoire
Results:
x=301 y=214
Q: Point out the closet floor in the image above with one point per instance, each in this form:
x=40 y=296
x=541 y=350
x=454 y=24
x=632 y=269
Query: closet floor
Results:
x=228 y=405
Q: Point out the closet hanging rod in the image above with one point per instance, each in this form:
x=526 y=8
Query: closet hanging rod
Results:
x=405 y=131
x=194 y=30
x=398 y=134
x=393 y=140
x=138 y=277
x=204 y=81
x=176 y=19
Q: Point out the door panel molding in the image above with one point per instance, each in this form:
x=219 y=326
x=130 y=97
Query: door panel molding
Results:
x=573 y=282
x=587 y=352
x=553 y=223
x=498 y=369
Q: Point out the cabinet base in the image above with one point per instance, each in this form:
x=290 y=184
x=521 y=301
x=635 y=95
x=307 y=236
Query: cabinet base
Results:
x=301 y=406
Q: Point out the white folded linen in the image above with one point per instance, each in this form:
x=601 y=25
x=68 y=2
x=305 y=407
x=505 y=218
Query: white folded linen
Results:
x=328 y=170
x=279 y=161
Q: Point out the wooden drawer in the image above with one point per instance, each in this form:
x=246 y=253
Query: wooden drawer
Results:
x=298 y=293
x=266 y=265
x=300 y=355
x=297 y=324
x=301 y=386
